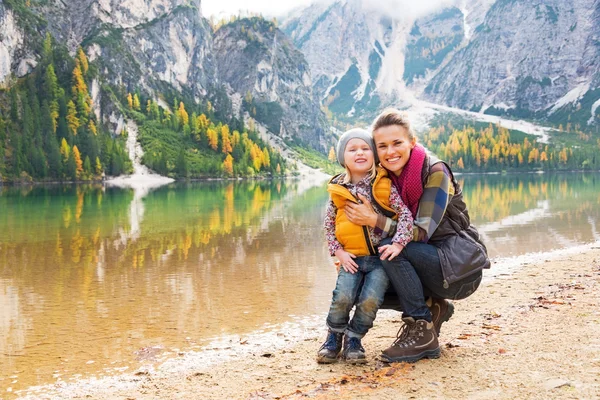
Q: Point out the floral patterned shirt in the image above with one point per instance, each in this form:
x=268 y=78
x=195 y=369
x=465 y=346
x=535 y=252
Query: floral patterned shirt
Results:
x=404 y=224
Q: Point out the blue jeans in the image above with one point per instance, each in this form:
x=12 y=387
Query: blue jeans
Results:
x=417 y=273
x=366 y=289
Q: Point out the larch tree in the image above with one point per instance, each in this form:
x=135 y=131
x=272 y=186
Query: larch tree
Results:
x=228 y=165
x=83 y=61
x=79 y=85
x=183 y=114
x=65 y=150
x=136 y=103
x=332 y=157
x=78 y=162
x=72 y=120
x=213 y=138
x=225 y=140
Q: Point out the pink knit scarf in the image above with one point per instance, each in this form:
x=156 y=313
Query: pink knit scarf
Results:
x=409 y=183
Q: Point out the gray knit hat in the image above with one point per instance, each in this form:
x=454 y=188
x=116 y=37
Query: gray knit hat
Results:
x=353 y=134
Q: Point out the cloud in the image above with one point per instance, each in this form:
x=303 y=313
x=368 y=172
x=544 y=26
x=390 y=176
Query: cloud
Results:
x=408 y=9
x=268 y=8
x=398 y=9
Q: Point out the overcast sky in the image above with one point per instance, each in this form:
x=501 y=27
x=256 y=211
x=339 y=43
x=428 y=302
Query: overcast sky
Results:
x=265 y=7
x=270 y=8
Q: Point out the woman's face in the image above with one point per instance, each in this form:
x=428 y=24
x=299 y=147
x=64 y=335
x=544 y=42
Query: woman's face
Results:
x=393 y=147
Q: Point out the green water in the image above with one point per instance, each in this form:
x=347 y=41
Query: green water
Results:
x=97 y=280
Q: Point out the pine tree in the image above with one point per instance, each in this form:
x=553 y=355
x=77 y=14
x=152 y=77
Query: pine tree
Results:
x=87 y=167
x=181 y=165
x=98 y=168
x=47 y=48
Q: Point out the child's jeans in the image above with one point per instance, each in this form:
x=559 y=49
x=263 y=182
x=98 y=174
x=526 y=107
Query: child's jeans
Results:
x=366 y=289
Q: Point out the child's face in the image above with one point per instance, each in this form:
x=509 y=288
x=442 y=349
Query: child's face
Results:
x=358 y=157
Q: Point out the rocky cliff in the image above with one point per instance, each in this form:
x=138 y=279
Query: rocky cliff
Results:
x=531 y=58
x=257 y=60
x=526 y=56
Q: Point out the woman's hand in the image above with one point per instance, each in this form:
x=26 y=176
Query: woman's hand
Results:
x=346 y=260
x=361 y=214
x=390 y=251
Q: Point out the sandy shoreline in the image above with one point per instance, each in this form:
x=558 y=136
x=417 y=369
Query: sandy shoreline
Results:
x=530 y=332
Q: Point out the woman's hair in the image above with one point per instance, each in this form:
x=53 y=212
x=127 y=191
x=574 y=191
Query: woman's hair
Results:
x=347 y=178
x=391 y=116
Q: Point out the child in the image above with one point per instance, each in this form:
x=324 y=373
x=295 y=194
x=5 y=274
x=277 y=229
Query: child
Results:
x=361 y=277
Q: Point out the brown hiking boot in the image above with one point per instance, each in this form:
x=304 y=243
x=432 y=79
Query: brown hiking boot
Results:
x=416 y=340
x=441 y=311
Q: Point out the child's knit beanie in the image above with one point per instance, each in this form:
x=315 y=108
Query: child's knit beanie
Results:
x=353 y=134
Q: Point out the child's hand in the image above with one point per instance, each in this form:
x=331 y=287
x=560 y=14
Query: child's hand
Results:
x=390 y=251
x=346 y=260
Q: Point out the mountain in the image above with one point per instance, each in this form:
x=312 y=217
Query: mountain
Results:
x=257 y=60
x=531 y=59
x=528 y=58
x=150 y=62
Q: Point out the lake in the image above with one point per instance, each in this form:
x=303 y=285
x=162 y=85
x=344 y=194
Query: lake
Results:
x=97 y=280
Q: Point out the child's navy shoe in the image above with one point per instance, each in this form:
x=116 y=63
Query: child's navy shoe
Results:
x=354 y=353
x=329 y=351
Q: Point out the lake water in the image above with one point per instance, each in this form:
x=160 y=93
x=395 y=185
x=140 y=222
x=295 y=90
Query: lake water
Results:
x=97 y=280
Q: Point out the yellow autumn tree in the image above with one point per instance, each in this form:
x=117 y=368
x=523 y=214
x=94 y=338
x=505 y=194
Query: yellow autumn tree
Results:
x=79 y=86
x=72 y=120
x=183 y=115
x=202 y=122
x=225 y=140
x=136 y=102
x=228 y=164
x=332 y=157
x=65 y=150
x=83 y=61
x=92 y=127
x=562 y=156
x=266 y=158
x=235 y=139
x=78 y=162
x=213 y=138
x=130 y=101
x=460 y=164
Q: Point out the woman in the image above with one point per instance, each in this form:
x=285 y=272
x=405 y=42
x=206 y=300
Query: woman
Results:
x=445 y=258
